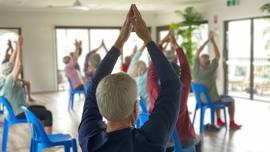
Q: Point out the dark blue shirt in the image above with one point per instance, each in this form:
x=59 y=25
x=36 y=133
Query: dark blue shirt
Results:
x=154 y=134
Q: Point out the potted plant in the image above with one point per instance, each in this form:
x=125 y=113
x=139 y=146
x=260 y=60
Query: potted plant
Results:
x=191 y=22
x=266 y=7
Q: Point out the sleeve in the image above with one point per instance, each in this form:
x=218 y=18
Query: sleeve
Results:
x=158 y=129
x=134 y=59
x=9 y=82
x=152 y=86
x=214 y=65
x=91 y=123
x=185 y=73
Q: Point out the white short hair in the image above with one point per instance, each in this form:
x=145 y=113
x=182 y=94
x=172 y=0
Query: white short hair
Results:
x=138 y=69
x=116 y=95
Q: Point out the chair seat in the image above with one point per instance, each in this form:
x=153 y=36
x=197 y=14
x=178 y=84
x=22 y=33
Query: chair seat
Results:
x=59 y=137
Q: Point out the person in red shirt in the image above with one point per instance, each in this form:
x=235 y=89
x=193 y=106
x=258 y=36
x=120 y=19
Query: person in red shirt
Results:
x=184 y=126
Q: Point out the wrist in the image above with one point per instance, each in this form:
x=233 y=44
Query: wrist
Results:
x=147 y=40
x=119 y=45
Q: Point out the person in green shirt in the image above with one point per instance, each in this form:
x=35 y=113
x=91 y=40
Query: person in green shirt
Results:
x=14 y=92
x=204 y=72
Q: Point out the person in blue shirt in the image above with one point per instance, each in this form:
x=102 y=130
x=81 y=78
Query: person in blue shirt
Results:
x=114 y=97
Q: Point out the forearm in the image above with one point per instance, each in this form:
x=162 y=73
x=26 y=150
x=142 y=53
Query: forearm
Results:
x=13 y=56
x=217 y=53
x=185 y=68
x=201 y=49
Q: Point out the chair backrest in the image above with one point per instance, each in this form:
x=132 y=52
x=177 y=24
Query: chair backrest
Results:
x=143 y=106
x=177 y=142
x=37 y=130
x=199 y=91
x=7 y=108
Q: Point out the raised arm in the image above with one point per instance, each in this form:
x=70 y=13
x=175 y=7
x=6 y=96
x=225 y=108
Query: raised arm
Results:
x=163 y=43
x=91 y=123
x=185 y=74
x=18 y=61
x=201 y=48
x=152 y=86
x=78 y=49
x=164 y=115
x=13 y=53
x=217 y=53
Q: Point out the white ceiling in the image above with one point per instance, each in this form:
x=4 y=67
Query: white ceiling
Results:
x=116 y=5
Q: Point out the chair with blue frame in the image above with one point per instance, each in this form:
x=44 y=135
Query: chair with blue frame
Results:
x=72 y=93
x=9 y=120
x=199 y=91
x=143 y=117
x=143 y=106
x=40 y=140
x=178 y=146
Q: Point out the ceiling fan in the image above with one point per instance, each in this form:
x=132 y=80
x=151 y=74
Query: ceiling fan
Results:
x=77 y=4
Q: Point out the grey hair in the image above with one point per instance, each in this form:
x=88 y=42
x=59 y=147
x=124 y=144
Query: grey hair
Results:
x=170 y=55
x=94 y=60
x=116 y=96
x=138 y=69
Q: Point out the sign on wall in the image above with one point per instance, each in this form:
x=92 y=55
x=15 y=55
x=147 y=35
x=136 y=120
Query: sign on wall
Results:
x=231 y=3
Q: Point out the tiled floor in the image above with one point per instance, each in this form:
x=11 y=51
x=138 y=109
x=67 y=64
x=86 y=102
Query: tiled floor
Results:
x=253 y=137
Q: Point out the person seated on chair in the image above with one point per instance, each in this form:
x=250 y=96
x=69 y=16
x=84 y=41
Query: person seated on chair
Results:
x=138 y=70
x=14 y=93
x=125 y=66
x=204 y=72
x=73 y=75
x=114 y=97
x=10 y=59
x=92 y=60
x=184 y=126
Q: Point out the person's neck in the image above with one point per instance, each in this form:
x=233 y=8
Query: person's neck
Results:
x=118 y=125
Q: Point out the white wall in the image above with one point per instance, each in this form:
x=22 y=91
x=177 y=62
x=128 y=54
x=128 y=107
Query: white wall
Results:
x=39 y=50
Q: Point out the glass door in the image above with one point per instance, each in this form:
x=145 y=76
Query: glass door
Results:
x=262 y=59
x=238 y=58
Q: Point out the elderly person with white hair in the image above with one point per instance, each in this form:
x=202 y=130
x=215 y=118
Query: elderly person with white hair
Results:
x=114 y=97
x=14 y=92
x=138 y=70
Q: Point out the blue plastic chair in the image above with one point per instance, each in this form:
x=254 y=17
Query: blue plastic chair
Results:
x=9 y=120
x=200 y=90
x=143 y=117
x=72 y=93
x=143 y=106
x=178 y=146
x=40 y=140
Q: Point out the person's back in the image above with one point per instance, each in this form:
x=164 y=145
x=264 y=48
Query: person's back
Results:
x=114 y=98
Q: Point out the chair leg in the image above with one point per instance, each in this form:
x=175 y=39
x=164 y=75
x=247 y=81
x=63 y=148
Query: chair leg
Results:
x=202 y=121
x=194 y=116
x=67 y=148
x=74 y=145
x=70 y=103
x=212 y=116
x=225 y=118
x=5 y=135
